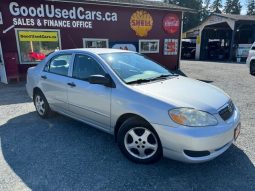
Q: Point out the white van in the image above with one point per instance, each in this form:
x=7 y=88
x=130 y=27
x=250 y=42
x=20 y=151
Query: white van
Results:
x=251 y=60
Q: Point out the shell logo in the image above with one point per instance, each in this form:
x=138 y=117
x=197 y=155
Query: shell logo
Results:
x=141 y=22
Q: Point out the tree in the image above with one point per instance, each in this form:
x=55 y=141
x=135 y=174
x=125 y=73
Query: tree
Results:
x=205 y=10
x=216 y=6
x=190 y=19
x=233 y=7
x=251 y=7
x=228 y=6
x=207 y=3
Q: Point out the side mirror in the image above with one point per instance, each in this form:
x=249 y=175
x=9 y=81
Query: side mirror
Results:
x=102 y=80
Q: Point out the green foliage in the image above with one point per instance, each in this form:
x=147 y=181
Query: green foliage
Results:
x=204 y=8
x=190 y=19
x=233 y=7
x=216 y=6
x=251 y=7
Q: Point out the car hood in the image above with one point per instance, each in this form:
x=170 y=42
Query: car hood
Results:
x=185 y=92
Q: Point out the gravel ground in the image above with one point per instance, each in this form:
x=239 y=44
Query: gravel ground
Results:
x=62 y=154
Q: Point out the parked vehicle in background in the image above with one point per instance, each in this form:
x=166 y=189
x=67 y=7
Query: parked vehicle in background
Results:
x=188 y=48
x=217 y=50
x=150 y=110
x=251 y=60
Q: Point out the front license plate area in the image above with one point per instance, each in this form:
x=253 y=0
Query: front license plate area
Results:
x=237 y=131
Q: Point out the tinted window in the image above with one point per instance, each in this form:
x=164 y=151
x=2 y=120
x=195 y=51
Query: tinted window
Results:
x=59 y=65
x=85 y=66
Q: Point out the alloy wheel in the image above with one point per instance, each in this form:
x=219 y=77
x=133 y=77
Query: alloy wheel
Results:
x=40 y=105
x=141 y=143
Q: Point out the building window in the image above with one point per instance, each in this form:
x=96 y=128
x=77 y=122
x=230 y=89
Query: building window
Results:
x=149 y=46
x=95 y=43
x=34 y=45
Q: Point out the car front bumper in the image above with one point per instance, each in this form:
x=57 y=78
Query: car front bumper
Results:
x=205 y=143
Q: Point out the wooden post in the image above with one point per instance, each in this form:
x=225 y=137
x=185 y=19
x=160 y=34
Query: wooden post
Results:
x=31 y=46
x=232 y=44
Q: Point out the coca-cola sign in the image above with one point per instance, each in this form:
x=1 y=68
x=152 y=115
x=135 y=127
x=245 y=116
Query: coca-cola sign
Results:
x=171 y=23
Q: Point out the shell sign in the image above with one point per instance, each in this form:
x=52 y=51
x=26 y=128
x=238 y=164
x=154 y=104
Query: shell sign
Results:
x=141 y=22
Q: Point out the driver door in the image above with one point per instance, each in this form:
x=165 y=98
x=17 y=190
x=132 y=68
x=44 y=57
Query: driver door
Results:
x=89 y=102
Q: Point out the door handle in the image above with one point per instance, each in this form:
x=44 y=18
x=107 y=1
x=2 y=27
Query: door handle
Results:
x=71 y=84
x=44 y=77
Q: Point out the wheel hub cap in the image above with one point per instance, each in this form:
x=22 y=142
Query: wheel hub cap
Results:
x=141 y=142
x=40 y=105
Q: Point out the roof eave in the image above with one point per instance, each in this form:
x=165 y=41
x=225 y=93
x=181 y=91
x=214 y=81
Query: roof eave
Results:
x=123 y=4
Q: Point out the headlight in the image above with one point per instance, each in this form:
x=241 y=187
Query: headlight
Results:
x=192 y=117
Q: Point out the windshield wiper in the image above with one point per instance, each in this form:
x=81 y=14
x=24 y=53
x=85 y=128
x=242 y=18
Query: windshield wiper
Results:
x=163 y=76
x=139 y=81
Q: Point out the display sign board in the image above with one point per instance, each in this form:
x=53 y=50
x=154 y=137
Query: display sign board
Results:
x=36 y=36
x=171 y=47
x=198 y=40
x=141 y=22
x=171 y=23
x=46 y=15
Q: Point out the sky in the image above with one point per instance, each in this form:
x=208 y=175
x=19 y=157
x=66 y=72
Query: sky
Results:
x=243 y=3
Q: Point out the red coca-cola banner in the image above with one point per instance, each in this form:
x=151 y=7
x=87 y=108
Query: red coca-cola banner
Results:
x=171 y=23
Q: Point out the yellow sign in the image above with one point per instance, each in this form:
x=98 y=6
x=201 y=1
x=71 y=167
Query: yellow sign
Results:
x=37 y=36
x=141 y=22
x=198 y=39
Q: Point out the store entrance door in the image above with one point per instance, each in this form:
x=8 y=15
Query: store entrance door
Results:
x=3 y=77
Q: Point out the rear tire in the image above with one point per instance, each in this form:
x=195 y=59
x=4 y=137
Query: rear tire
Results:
x=252 y=68
x=139 y=142
x=41 y=105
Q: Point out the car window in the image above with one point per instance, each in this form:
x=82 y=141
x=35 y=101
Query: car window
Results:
x=132 y=66
x=85 y=66
x=59 y=65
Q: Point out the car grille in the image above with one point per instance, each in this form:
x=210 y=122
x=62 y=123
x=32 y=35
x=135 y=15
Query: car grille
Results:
x=227 y=111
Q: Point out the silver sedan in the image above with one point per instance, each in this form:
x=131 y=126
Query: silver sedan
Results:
x=151 y=111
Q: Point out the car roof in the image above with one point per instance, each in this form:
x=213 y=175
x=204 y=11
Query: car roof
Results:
x=94 y=50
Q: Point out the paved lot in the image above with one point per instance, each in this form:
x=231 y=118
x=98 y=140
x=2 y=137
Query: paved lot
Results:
x=62 y=154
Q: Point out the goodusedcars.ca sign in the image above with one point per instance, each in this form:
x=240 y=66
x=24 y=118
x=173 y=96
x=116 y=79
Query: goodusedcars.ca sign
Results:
x=46 y=15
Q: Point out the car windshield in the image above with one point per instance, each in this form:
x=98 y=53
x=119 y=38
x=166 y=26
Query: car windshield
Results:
x=135 y=68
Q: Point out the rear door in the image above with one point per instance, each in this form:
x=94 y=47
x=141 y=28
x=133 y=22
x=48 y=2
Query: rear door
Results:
x=89 y=102
x=54 y=79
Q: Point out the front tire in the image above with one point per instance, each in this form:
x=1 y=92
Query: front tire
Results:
x=41 y=105
x=139 y=142
x=252 y=68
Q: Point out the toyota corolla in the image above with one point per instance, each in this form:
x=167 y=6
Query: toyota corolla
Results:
x=151 y=111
